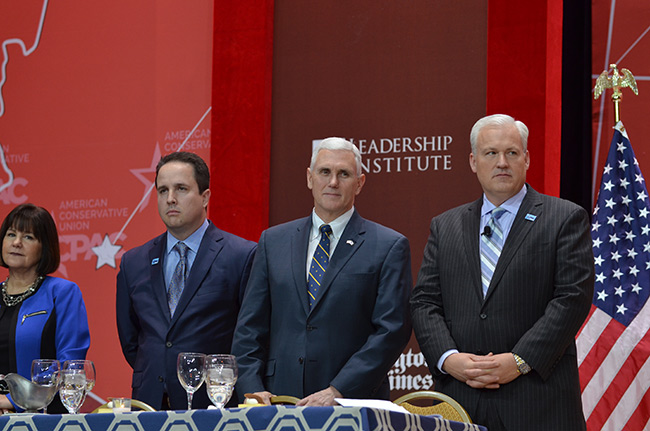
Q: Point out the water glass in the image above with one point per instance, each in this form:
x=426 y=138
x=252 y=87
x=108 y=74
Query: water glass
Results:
x=45 y=372
x=220 y=378
x=72 y=390
x=189 y=368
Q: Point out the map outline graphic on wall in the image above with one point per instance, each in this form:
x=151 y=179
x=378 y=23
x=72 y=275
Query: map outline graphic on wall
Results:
x=26 y=52
x=3 y=80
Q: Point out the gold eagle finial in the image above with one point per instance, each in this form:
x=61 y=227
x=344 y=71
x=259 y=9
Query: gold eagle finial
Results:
x=616 y=82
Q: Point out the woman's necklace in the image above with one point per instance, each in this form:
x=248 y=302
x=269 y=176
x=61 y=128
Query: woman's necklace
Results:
x=11 y=300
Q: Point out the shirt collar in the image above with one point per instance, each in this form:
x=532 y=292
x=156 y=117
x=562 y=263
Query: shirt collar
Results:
x=511 y=205
x=338 y=225
x=192 y=242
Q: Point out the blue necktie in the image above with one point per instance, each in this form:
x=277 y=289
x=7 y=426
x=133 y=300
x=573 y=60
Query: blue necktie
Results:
x=319 y=263
x=491 y=248
x=177 y=283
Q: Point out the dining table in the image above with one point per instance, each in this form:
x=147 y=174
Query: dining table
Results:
x=265 y=418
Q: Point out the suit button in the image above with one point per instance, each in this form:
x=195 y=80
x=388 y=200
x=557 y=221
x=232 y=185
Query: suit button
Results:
x=483 y=316
x=301 y=360
x=160 y=379
x=310 y=328
x=168 y=344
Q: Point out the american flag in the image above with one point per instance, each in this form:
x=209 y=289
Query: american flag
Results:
x=613 y=344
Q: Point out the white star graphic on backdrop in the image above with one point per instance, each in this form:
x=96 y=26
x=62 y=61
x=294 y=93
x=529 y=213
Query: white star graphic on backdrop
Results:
x=598 y=260
x=636 y=288
x=598 y=242
x=147 y=176
x=639 y=178
x=633 y=270
x=627 y=218
x=620 y=147
x=608 y=186
x=641 y=196
x=622 y=165
x=609 y=203
x=602 y=295
x=631 y=253
x=621 y=308
x=619 y=291
x=600 y=278
x=645 y=230
x=624 y=183
x=644 y=212
x=617 y=274
x=106 y=253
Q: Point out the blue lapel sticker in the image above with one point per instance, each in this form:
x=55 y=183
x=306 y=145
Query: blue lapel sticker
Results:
x=530 y=217
x=155 y=261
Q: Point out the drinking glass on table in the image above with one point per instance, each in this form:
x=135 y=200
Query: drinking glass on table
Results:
x=72 y=389
x=220 y=378
x=189 y=368
x=87 y=368
x=45 y=372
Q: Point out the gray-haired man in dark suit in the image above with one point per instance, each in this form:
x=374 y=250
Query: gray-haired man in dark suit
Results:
x=505 y=284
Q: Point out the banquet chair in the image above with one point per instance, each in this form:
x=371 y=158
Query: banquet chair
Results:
x=446 y=406
x=135 y=406
x=284 y=399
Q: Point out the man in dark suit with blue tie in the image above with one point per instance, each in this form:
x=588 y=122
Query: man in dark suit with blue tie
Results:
x=326 y=308
x=181 y=291
x=505 y=284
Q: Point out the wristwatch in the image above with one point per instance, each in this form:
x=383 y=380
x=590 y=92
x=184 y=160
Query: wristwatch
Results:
x=522 y=366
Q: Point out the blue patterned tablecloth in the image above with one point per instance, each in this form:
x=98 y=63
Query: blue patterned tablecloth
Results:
x=272 y=418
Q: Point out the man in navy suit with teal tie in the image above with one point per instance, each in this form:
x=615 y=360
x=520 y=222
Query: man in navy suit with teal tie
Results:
x=325 y=313
x=181 y=291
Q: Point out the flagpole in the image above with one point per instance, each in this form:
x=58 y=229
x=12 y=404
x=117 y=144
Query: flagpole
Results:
x=616 y=82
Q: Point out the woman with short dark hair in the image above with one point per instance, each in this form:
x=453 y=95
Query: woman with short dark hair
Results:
x=40 y=316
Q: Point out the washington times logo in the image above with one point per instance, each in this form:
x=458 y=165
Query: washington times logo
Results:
x=403 y=154
x=410 y=373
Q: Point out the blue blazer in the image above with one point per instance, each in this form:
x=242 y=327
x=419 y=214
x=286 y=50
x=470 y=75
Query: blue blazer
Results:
x=356 y=329
x=204 y=319
x=52 y=323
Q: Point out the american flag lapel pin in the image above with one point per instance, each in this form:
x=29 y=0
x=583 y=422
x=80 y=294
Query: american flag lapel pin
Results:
x=155 y=261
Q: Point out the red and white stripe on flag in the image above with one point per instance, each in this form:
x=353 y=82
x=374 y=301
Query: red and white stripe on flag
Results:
x=613 y=344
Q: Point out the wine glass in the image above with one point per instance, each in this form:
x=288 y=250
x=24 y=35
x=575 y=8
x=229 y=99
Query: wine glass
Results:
x=87 y=368
x=189 y=369
x=73 y=389
x=45 y=372
x=220 y=378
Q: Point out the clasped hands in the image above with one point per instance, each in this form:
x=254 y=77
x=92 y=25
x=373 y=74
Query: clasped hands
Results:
x=320 y=398
x=482 y=371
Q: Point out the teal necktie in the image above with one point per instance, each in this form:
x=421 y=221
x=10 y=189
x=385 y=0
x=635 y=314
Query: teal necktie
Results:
x=177 y=283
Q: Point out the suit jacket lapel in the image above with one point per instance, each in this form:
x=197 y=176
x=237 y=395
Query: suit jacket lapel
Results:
x=532 y=205
x=348 y=244
x=471 y=224
x=299 y=246
x=210 y=247
x=158 y=254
